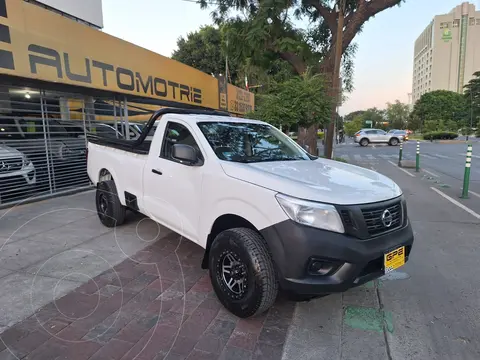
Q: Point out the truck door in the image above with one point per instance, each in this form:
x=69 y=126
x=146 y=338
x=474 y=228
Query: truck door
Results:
x=172 y=190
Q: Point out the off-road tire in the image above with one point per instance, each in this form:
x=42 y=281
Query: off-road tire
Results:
x=114 y=214
x=364 y=142
x=393 y=142
x=262 y=284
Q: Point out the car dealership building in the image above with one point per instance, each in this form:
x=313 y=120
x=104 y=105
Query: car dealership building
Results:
x=61 y=77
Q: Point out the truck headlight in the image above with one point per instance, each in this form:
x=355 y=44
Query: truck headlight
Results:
x=322 y=216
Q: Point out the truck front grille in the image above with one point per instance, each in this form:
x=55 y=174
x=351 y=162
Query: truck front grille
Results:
x=383 y=219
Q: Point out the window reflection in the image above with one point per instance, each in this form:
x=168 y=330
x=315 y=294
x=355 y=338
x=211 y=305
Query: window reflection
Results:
x=250 y=142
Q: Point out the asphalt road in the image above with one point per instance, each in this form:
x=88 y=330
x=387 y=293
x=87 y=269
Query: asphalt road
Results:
x=441 y=164
x=429 y=308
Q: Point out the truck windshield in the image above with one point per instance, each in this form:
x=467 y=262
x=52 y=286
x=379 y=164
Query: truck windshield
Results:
x=250 y=142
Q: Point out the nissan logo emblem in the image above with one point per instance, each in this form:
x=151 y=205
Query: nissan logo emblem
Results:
x=387 y=218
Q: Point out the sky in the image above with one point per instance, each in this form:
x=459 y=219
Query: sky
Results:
x=383 y=63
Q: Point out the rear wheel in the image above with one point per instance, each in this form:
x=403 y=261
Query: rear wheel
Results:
x=242 y=272
x=110 y=210
x=394 y=141
x=364 y=142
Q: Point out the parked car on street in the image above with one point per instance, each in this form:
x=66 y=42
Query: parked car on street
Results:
x=376 y=136
x=17 y=172
x=402 y=134
x=269 y=215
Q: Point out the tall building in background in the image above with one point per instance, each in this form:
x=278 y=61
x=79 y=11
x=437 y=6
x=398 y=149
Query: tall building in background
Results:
x=447 y=53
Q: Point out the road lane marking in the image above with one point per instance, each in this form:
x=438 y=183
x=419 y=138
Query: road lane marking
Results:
x=427 y=156
x=443 y=156
x=399 y=168
x=386 y=157
x=455 y=202
x=430 y=173
x=370 y=157
x=474 y=193
x=465 y=155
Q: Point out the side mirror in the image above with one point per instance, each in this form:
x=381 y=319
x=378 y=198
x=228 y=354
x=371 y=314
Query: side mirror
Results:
x=185 y=154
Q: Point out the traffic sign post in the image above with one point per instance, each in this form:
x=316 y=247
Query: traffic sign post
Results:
x=466 y=176
x=400 y=154
x=369 y=122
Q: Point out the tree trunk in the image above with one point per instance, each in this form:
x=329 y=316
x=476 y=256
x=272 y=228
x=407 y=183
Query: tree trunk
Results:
x=308 y=139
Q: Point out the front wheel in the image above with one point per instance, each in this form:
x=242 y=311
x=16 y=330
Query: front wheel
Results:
x=242 y=272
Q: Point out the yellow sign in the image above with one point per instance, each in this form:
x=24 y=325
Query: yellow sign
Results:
x=40 y=44
x=240 y=101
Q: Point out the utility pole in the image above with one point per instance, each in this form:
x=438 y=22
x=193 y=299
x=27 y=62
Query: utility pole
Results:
x=340 y=6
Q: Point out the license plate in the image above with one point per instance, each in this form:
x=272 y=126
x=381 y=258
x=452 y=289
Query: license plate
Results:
x=394 y=259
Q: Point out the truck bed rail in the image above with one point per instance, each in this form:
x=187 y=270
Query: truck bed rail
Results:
x=140 y=146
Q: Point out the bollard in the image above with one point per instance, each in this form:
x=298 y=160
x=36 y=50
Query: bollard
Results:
x=466 y=176
x=417 y=162
x=400 y=154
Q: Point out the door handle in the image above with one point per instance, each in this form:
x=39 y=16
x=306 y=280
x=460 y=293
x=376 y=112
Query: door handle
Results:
x=158 y=172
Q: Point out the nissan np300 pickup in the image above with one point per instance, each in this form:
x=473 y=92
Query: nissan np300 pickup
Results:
x=269 y=215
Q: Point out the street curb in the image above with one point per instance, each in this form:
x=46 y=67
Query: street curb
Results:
x=450 y=141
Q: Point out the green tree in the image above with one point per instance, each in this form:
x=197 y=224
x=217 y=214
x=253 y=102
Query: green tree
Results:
x=268 y=27
x=297 y=101
x=397 y=114
x=377 y=117
x=430 y=125
x=205 y=50
x=440 y=105
x=414 y=122
x=472 y=98
x=352 y=115
x=354 y=125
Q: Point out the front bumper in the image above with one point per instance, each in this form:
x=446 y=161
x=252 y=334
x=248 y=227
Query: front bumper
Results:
x=356 y=261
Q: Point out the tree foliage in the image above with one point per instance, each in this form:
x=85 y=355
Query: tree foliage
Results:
x=259 y=30
x=353 y=125
x=439 y=110
x=397 y=114
x=375 y=115
x=353 y=114
x=359 y=120
x=205 y=50
x=472 y=98
x=272 y=25
x=295 y=101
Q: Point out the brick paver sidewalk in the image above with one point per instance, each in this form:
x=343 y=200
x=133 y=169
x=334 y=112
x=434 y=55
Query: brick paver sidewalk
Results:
x=157 y=305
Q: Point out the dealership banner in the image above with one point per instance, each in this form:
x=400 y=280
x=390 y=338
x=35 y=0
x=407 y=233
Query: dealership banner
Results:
x=39 y=44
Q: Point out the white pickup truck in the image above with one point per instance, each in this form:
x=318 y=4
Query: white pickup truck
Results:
x=269 y=215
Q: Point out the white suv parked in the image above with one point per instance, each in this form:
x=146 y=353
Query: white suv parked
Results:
x=367 y=136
